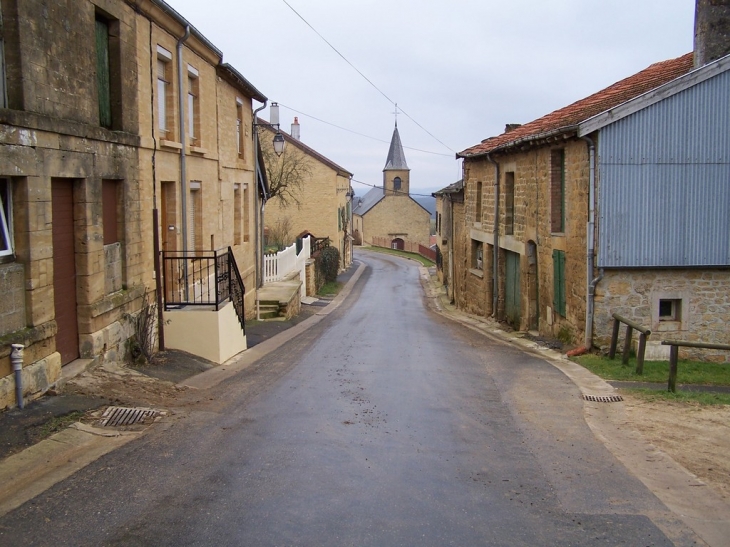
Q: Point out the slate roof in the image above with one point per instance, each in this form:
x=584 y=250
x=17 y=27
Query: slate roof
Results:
x=566 y=119
x=368 y=201
x=453 y=188
x=396 y=157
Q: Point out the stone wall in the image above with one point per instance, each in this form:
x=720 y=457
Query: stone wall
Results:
x=704 y=308
x=531 y=225
x=397 y=217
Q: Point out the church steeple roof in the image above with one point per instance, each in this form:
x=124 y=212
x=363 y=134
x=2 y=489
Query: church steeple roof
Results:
x=396 y=157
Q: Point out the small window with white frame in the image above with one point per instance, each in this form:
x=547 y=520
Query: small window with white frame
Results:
x=164 y=92
x=6 y=218
x=193 y=106
x=240 y=132
x=670 y=309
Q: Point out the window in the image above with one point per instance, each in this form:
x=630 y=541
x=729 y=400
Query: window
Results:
x=236 y=214
x=559 y=282
x=509 y=203
x=557 y=191
x=246 y=233
x=109 y=189
x=240 y=144
x=165 y=107
x=195 y=220
x=103 y=75
x=477 y=255
x=670 y=309
x=193 y=106
x=6 y=218
x=397 y=184
x=478 y=215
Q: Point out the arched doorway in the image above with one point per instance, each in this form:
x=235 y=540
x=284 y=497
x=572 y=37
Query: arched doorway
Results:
x=398 y=244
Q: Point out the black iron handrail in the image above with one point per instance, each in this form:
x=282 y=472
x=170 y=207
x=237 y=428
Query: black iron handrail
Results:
x=202 y=278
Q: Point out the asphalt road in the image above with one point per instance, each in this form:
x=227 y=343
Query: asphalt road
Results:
x=384 y=424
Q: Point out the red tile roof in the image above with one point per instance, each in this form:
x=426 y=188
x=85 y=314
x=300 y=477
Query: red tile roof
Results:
x=567 y=118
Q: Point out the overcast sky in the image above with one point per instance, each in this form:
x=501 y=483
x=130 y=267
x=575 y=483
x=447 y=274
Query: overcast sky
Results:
x=461 y=69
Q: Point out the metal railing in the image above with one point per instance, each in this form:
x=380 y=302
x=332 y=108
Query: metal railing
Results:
x=674 y=357
x=630 y=326
x=202 y=278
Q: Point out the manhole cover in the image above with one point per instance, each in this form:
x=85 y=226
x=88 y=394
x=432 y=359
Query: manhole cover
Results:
x=116 y=416
x=603 y=398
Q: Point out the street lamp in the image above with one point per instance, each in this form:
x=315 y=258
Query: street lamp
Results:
x=279 y=142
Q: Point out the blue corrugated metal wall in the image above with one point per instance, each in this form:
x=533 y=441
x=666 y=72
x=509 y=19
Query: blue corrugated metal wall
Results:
x=664 y=195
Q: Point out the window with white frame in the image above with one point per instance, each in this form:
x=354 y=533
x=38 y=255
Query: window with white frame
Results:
x=6 y=218
x=193 y=106
x=3 y=91
x=164 y=90
x=240 y=148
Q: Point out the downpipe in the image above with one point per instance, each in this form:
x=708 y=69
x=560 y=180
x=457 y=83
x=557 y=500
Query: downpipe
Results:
x=16 y=358
x=591 y=282
x=495 y=249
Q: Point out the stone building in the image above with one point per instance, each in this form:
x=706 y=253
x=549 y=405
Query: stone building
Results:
x=201 y=173
x=389 y=215
x=321 y=201
x=449 y=230
x=85 y=161
x=617 y=203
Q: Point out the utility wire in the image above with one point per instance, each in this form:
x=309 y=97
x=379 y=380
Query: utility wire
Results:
x=376 y=186
x=363 y=75
x=357 y=133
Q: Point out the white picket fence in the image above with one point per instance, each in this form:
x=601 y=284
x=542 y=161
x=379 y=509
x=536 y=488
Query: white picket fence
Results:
x=279 y=265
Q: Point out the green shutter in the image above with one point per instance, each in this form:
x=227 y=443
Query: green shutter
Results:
x=559 y=281
x=102 y=73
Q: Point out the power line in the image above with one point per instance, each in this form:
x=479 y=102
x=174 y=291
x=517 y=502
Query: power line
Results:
x=357 y=133
x=363 y=75
x=376 y=186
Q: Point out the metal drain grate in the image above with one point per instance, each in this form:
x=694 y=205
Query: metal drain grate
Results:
x=603 y=398
x=119 y=416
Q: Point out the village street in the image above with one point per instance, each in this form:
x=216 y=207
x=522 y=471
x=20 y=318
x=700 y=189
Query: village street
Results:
x=385 y=424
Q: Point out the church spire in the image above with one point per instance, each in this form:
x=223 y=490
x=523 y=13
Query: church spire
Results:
x=396 y=157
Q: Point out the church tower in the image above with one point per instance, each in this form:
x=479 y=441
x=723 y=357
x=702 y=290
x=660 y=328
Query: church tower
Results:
x=396 y=175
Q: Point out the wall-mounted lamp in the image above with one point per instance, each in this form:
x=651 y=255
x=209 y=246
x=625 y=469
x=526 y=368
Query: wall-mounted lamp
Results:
x=278 y=142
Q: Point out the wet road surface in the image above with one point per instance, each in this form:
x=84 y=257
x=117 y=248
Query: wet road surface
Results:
x=383 y=425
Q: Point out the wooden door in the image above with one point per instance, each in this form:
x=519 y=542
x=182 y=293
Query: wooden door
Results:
x=512 y=289
x=64 y=270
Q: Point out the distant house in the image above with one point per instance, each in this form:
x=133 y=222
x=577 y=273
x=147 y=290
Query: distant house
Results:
x=321 y=204
x=449 y=233
x=389 y=216
x=618 y=203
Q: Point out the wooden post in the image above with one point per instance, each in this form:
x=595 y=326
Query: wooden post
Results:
x=673 y=358
x=640 y=354
x=614 y=338
x=627 y=345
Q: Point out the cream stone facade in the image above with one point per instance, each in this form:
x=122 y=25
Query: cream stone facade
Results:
x=320 y=204
x=85 y=162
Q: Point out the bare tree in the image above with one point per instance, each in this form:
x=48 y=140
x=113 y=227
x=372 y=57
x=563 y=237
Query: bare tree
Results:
x=286 y=173
x=279 y=233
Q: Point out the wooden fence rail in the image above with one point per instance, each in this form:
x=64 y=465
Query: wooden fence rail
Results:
x=630 y=327
x=674 y=356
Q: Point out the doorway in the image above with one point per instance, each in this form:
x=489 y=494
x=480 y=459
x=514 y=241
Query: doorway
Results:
x=64 y=270
x=512 y=289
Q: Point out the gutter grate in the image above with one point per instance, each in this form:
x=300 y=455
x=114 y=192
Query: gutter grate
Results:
x=603 y=398
x=115 y=416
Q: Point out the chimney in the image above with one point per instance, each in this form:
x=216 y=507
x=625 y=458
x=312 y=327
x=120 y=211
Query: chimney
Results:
x=712 y=31
x=295 y=129
x=511 y=127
